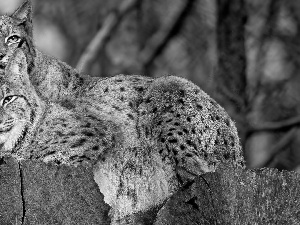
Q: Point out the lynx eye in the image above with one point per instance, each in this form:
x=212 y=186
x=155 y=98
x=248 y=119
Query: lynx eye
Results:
x=12 y=39
x=8 y=99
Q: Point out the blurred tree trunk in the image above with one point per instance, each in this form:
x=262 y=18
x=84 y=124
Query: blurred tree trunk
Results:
x=231 y=72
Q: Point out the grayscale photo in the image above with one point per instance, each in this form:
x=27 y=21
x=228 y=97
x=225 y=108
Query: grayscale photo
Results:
x=149 y=112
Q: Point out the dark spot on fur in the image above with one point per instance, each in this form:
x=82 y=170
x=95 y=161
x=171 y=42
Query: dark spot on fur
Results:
x=147 y=131
x=169 y=120
x=73 y=157
x=185 y=130
x=2 y=161
x=49 y=153
x=189 y=142
x=176 y=124
x=87 y=133
x=122 y=89
x=172 y=141
x=148 y=100
x=177 y=162
x=81 y=81
x=78 y=143
x=159 y=123
x=217 y=142
x=95 y=148
x=104 y=143
x=169 y=134
x=93 y=117
x=181 y=101
x=193 y=131
x=105 y=90
x=226 y=155
x=199 y=107
x=122 y=98
x=188 y=155
x=168 y=149
x=41 y=130
x=181 y=93
x=227 y=122
x=188 y=119
x=175 y=152
x=182 y=147
x=162 y=140
x=87 y=125
x=67 y=104
x=116 y=108
x=59 y=133
x=130 y=116
x=154 y=110
x=179 y=133
x=119 y=80
x=56 y=161
x=72 y=133
x=130 y=104
x=171 y=129
x=160 y=151
x=139 y=89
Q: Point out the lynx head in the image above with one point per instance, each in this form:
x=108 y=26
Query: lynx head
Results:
x=16 y=32
x=20 y=105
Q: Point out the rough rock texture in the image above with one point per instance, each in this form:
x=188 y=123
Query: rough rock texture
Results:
x=11 y=207
x=236 y=196
x=39 y=193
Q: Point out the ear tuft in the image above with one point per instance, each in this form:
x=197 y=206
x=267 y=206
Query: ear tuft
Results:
x=17 y=64
x=24 y=12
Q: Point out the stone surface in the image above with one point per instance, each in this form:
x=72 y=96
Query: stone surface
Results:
x=39 y=193
x=11 y=207
x=61 y=195
x=236 y=196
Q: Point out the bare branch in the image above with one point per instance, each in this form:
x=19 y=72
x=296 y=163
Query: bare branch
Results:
x=281 y=145
x=100 y=39
x=160 y=40
x=271 y=126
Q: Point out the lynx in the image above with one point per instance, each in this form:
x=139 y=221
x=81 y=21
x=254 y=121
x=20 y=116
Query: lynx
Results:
x=143 y=137
x=162 y=139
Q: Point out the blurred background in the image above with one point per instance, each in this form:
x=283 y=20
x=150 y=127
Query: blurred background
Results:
x=244 y=53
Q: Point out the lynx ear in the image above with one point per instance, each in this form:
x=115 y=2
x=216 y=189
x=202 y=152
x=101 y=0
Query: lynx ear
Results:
x=16 y=69
x=24 y=12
